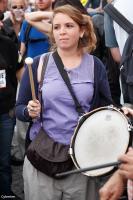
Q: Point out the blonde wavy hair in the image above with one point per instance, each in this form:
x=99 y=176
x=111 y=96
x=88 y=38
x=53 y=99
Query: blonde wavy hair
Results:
x=88 y=41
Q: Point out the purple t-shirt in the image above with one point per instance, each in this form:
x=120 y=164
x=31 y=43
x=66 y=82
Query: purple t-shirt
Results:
x=60 y=116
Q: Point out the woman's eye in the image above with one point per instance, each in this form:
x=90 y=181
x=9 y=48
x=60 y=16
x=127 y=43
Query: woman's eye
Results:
x=56 y=27
x=66 y=25
x=69 y=25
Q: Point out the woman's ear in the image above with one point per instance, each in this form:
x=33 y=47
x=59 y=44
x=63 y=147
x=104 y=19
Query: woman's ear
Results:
x=82 y=33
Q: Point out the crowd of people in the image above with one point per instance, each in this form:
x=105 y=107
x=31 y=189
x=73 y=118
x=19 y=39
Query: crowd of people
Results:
x=88 y=45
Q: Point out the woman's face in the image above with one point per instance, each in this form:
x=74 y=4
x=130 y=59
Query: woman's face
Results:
x=17 y=9
x=66 y=32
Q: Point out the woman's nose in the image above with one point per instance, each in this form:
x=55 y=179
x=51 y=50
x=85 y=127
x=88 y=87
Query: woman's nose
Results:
x=62 y=30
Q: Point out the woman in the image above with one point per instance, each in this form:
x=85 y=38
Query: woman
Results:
x=73 y=37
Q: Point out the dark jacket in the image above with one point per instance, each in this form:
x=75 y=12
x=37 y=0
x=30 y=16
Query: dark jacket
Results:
x=8 y=62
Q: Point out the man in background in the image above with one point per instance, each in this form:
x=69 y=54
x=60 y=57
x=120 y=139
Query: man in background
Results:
x=115 y=38
x=8 y=85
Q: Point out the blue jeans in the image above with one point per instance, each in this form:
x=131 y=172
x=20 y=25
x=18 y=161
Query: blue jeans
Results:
x=6 y=132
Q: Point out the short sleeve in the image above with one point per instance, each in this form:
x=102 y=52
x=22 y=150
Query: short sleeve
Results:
x=110 y=38
x=22 y=32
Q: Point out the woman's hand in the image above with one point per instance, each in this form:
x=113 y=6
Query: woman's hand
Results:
x=34 y=108
x=113 y=188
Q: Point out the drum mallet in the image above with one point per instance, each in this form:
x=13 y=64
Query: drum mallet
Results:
x=28 y=62
x=75 y=171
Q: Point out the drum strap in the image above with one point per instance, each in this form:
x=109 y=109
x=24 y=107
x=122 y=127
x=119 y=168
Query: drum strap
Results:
x=66 y=79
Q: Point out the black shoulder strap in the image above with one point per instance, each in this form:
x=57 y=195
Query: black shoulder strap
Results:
x=27 y=31
x=65 y=77
x=119 y=18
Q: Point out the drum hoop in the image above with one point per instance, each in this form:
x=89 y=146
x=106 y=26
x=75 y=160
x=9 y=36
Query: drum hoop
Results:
x=81 y=120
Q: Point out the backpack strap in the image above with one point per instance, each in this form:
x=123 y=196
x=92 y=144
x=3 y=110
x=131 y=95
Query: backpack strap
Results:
x=27 y=32
x=119 y=18
x=44 y=66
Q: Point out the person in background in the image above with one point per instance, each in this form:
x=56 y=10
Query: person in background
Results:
x=105 y=56
x=8 y=85
x=34 y=42
x=13 y=23
x=93 y=6
x=75 y=3
x=115 y=38
x=31 y=6
x=11 y=28
x=73 y=36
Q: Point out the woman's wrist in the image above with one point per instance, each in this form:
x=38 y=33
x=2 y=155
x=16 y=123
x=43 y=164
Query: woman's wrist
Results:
x=123 y=178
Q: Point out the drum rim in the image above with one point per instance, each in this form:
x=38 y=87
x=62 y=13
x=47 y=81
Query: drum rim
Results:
x=80 y=122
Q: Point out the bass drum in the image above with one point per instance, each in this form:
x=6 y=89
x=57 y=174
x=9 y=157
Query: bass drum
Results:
x=100 y=137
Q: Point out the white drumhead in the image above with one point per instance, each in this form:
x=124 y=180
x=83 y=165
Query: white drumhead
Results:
x=101 y=139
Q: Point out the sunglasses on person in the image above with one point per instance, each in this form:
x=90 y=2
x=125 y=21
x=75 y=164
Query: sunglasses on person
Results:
x=17 y=7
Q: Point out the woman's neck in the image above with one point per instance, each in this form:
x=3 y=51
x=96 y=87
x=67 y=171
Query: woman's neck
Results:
x=69 y=53
x=17 y=27
x=70 y=59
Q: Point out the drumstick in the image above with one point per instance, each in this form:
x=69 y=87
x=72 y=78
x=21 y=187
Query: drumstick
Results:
x=75 y=171
x=29 y=62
